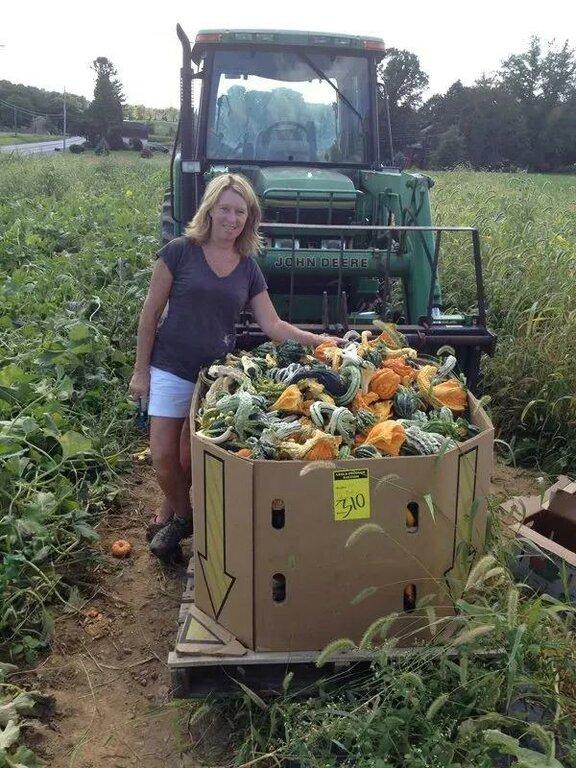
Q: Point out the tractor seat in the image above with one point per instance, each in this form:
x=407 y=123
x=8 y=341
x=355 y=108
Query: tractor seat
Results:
x=284 y=144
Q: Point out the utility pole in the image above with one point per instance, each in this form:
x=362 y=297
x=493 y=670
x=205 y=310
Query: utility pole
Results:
x=389 y=125
x=64 y=128
x=15 y=123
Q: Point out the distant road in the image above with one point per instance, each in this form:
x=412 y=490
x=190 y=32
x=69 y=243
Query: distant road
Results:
x=41 y=146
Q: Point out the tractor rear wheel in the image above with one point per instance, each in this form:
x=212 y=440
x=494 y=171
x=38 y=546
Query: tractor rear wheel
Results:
x=167 y=219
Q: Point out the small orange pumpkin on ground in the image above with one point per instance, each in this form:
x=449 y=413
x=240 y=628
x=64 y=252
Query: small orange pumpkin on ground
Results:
x=244 y=453
x=121 y=548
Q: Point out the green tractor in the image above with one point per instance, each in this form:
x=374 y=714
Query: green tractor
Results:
x=348 y=239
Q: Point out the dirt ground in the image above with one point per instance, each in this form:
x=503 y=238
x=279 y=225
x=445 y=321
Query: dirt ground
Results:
x=107 y=675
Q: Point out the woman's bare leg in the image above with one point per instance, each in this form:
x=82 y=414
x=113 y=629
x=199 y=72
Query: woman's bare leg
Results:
x=166 y=512
x=165 y=441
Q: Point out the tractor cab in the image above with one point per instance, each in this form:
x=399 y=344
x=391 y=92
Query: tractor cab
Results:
x=348 y=239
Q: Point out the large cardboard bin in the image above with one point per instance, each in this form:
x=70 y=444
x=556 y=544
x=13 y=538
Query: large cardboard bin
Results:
x=546 y=531
x=275 y=564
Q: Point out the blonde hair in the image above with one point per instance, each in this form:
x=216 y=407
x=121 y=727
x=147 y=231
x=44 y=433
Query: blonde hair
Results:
x=249 y=241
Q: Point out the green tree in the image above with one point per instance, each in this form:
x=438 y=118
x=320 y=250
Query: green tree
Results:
x=486 y=116
x=105 y=114
x=540 y=81
x=451 y=150
x=32 y=102
x=401 y=85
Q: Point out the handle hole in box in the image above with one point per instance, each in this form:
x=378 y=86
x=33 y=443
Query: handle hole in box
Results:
x=412 y=517
x=278 y=514
x=278 y=587
x=409 y=598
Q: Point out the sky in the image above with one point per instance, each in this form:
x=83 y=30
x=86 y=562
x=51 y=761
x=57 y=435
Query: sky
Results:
x=51 y=45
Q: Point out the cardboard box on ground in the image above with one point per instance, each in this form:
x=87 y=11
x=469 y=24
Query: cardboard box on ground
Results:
x=546 y=531
x=278 y=563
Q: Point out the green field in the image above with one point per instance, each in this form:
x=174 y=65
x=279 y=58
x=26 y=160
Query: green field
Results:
x=77 y=238
x=26 y=138
x=528 y=230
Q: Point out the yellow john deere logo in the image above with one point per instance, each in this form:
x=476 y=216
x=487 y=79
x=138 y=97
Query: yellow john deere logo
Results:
x=213 y=562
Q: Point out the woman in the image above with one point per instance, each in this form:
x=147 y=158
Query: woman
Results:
x=207 y=277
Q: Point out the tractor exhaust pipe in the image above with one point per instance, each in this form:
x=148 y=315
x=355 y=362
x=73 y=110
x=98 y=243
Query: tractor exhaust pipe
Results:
x=187 y=137
x=186 y=121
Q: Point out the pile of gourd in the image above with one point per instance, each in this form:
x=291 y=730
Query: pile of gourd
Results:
x=369 y=398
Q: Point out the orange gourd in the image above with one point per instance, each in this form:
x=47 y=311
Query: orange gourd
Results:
x=290 y=401
x=398 y=365
x=450 y=393
x=321 y=348
x=244 y=453
x=390 y=336
x=121 y=548
x=387 y=436
x=324 y=449
x=382 y=410
x=385 y=383
x=362 y=402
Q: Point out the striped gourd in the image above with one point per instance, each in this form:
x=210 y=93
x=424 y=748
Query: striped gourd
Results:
x=365 y=420
x=353 y=378
x=425 y=443
x=406 y=403
x=367 y=452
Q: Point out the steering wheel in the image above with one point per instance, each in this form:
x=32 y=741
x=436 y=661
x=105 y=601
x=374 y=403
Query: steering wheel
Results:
x=264 y=135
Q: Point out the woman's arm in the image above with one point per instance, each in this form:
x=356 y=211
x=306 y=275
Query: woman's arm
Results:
x=279 y=330
x=154 y=304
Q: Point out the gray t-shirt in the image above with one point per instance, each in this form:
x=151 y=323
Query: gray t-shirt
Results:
x=203 y=309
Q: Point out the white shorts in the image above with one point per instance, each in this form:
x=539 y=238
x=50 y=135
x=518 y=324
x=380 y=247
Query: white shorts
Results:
x=169 y=394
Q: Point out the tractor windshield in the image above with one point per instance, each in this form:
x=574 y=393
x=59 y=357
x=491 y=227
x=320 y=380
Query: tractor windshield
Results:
x=288 y=107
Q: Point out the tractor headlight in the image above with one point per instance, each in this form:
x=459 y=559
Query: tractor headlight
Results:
x=331 y=244
x=285 y=243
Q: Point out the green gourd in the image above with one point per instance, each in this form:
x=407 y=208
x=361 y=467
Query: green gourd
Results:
x=406 y=403
x=367 y=452
x=365 y=420
x=353 y=378
x=289 y=352
x=424 y=443
x=344 y=452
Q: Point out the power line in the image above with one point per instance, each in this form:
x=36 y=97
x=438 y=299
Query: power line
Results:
x=29 y=112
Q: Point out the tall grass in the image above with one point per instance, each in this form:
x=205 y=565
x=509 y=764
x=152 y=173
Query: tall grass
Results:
x=528 y=231
x=502 y=684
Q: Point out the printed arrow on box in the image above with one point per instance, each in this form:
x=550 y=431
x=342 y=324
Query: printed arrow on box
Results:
x=213 y=562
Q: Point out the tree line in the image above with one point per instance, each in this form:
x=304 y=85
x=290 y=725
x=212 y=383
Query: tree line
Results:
x=25 y=108
x=522 y=116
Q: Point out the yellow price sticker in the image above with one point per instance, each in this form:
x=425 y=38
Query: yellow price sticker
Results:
x=351 y=494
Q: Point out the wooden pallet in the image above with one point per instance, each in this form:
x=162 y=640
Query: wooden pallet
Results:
x=218 y=672
x=226 y=662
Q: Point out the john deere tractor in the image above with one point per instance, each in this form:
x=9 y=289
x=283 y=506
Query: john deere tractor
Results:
x=348 y=239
